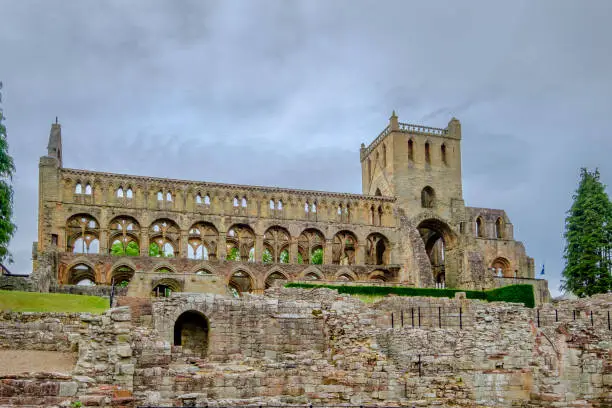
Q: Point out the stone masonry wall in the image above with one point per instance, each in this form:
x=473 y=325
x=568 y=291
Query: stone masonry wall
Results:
x=316 y=346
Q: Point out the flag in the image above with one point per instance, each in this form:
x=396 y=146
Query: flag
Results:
x=542 y=273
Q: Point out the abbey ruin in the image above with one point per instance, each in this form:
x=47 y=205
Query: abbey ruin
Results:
x=200 y=317
x=410 y=227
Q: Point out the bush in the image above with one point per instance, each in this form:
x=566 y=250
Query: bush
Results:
x=515 y=293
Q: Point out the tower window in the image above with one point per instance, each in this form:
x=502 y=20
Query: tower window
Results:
x=410 y=150
x=88 y=190
x=78 y=189
x=499 y=228
x=443 y=153
x=427 y=154
x=120 y=192
x=479 y=227
x=428 y=197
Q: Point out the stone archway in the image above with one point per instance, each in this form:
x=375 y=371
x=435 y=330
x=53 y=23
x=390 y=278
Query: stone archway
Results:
x=191 y=333
x=440 y=246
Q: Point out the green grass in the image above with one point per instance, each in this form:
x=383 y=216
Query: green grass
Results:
x=51 y=302
x=368 y=294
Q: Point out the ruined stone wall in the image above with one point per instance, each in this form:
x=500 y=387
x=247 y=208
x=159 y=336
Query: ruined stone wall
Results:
x=315 y=346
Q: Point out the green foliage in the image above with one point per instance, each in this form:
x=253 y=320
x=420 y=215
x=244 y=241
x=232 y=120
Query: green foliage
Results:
x=284 y=256
x=317 y=257
x=233 y=254
x=515 y=293
x=154 y=250
x=267 y=256
x=76 y=404
x=588 y=236
x=7 y=169
x=123 y=284
x=131 y=249
x=300 y=259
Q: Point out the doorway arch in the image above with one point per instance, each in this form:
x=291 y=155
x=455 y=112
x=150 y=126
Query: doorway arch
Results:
x=191 y=333
x=439 y=240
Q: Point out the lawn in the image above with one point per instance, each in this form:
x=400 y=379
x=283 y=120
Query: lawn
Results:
x=51 y=302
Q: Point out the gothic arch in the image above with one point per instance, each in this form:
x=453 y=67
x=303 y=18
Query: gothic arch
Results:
x=83 y=234
x=276 y=239
x=166 y=235
x=203 y=241
x=241 y=280
x=310 y=240
x=164 y=265
x=346 y=272
x=378 y=249
x=202 y=266
x=311 y=270
x=274 y=275
x=344 y=248
x=241 y=237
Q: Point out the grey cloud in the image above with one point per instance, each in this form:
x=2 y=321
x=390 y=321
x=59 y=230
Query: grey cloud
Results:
x=279 y=93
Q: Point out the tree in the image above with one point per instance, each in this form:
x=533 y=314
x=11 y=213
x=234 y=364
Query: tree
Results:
x=7 y=168
x=588 y=235
x=317 y=257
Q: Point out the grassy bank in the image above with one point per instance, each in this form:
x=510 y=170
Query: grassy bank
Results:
x=51 y=302
x=515 y=293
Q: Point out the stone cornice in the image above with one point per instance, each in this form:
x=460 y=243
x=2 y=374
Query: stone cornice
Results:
x=204 y=184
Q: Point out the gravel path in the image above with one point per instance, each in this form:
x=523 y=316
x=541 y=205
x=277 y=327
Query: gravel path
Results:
x=19 y=361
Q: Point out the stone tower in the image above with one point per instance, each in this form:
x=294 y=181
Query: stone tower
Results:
x=419 y=165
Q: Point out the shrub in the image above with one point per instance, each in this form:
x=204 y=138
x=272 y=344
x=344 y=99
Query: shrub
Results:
x=515 y=293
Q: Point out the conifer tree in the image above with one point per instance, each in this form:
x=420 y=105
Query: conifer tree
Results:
x=7 y=168
x=588 y=235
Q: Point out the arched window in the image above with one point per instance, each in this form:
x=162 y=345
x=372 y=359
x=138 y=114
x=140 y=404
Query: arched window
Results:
x=168 y=196
x=236 y=202
x=427 y=154
x=120 y=192
x=380 y=214
x=88 y=190
x=244 y=202
x=378 y=193
x=207 y=200
x=198 y=199
x=306 y=207
x=373 y=215
x=272 y=204
x=499 y=228
x=443 y=153
x=410 y=150
x=160 y=196
x=384 y=150
x=479 y=227
x=279 y=205
x=313 y=207
x=78 y=189
x=428 y=197
x=129 y=193
x=83 y=231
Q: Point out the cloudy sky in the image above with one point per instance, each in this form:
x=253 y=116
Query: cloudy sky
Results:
x=283 y=93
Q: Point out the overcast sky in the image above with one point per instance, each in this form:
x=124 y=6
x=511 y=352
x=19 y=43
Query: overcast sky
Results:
x=283 y=92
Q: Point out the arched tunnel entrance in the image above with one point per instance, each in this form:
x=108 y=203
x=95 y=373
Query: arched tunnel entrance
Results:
x=439 y=240
x=191 y=332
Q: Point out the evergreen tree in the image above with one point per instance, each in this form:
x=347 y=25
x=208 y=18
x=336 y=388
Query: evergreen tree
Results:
x=7 y=168
x=588 y=235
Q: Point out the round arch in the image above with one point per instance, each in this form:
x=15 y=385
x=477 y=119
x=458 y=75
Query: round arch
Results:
x=191 y=330
x=81 y=272
x=501 y=267
x=311 y=271
x=241 y=281
x=439 y=239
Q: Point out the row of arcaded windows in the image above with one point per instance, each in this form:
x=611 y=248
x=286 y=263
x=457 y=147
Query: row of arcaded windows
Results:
x=343 y=211
x=499 y=228
x=164 y=240
x=427 y=149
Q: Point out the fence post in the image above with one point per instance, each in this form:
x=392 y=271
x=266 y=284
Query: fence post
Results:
x=412 y=313
x=538 y=312
x=439 y=317
x=591 y=318
x=608 y=320
x=402 y=317
x=574 y=312
x=392 y=320
x=419 y=310
x=419 y=365
x=460 y=318
x=556 y=315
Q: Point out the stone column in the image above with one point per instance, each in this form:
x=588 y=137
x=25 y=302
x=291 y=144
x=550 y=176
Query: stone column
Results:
x=360 y=254
x=183 y=244
x=105 y=246
x=327 y=252
x=258 y=247
x=144 y=244
x=222 y=246
x=293 y=251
